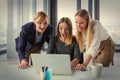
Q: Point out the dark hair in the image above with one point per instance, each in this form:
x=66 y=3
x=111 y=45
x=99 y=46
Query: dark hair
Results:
x=69 y=25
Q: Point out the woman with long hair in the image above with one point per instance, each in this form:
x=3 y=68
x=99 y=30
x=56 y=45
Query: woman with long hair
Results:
x=91 y=36
x=64 y=42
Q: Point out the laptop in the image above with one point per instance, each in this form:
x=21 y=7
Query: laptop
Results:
x=60 y=64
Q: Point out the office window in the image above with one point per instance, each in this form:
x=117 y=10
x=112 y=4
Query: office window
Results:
x=109 y=16
x=3 y=21
x=19 y=13
x=67 y=8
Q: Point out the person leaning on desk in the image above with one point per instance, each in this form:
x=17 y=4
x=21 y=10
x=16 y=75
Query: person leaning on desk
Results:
x=32 y=37
x=98 y=42
x=64 y=43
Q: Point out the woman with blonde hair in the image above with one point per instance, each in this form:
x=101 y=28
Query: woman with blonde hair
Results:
x=32 y=37
x=92 y=37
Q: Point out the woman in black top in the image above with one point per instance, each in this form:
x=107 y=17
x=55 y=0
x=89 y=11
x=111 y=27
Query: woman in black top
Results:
x=64 y=42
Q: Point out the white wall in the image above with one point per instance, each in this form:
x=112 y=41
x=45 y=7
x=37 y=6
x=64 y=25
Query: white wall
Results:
x=39 y=5
x=67 y=8
x=84 y=4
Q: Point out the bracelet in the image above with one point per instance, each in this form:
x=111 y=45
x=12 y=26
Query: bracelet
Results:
x=84 y=64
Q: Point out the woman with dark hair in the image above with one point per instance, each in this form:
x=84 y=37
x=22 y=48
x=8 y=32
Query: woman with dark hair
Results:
x=64 y=42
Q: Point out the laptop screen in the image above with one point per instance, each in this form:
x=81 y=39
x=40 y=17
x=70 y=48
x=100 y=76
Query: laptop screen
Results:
x=58 y=63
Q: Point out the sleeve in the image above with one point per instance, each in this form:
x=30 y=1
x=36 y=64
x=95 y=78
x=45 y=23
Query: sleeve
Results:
x=99 y=34
x=77 y=53
x=51 y=46
x=22 y=44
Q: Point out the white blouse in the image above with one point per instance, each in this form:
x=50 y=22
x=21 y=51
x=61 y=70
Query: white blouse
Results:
x=99 y=35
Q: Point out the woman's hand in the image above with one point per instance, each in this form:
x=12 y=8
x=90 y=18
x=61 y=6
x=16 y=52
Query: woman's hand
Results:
x=74 y=62
x=23 y=64
x=85 y=63
x=81 y=66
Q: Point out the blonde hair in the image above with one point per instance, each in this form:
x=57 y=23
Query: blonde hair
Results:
x=68 y=40
x=89 y=32
x=40 y=16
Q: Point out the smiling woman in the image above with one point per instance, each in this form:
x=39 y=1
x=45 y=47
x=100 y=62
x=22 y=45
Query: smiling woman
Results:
x=94 y=38
x=32 y=37
x=64 y=42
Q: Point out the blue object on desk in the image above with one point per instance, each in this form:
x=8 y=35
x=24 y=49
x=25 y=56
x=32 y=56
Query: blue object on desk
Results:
x=46 y=68
x=83 y=69
x=48 y=75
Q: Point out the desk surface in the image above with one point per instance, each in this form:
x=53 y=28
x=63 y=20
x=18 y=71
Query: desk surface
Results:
x=10 y=71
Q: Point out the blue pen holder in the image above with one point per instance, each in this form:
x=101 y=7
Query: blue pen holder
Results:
x=48 y=75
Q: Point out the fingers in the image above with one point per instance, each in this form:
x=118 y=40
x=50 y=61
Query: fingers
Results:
x=80 y=67
x=23 y=64
x=74 y=62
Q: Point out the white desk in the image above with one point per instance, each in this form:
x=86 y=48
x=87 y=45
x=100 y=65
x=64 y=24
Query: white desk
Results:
x=11 y=72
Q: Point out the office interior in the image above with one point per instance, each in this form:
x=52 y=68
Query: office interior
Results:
x=15 y=13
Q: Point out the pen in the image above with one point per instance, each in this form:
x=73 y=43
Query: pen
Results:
x=43 y=73
x=46 y=68
x=43 y=68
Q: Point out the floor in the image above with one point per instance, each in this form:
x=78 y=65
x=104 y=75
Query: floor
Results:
x=116 y=58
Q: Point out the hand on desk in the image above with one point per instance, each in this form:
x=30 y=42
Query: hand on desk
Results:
x=80 y=67
x=23 y=64
x=74 y=62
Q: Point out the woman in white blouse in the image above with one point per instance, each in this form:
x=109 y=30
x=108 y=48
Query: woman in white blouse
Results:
x=89 y=35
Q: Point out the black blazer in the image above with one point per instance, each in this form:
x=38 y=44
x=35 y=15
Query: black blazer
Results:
x=27 y=36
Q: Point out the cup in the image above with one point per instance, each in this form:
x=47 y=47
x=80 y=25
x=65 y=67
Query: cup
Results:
x=42 y=75
x=96 y=69
x=48 y=74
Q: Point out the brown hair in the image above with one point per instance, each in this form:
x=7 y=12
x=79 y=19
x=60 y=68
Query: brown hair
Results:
x=69 y=25
x=40 y=16
x=84 y=14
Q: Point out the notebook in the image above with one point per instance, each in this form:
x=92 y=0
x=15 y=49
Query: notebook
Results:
x=59 y=63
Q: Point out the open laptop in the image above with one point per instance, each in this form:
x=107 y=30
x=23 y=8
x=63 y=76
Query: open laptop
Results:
x=59 y=63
